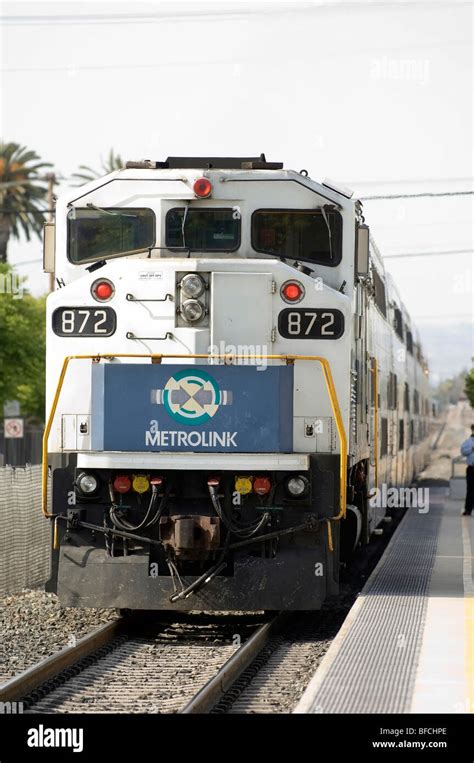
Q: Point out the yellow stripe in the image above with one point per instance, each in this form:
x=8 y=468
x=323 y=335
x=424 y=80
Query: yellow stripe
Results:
x=469 y=639
x=468 y=586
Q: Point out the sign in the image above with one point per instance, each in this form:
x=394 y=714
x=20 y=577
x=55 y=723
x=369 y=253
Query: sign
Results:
x=14 y=428
x=11 y=408
x=307 y=323
x=84 y=321
x=179 y=408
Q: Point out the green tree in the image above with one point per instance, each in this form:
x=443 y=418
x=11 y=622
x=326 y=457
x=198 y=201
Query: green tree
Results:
x=22 y=346
x=110 y=164
x=469 y=388
x=22 y=194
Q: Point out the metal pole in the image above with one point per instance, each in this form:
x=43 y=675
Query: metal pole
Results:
x=52 y=180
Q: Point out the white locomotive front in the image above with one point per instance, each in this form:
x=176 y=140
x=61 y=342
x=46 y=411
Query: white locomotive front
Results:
x=212 y=432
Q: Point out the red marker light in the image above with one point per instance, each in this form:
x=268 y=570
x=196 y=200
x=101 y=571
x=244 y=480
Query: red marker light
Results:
x=102 y=290
x=292 y=291
x=122 y=483
x=202 y=188
x=261 y=485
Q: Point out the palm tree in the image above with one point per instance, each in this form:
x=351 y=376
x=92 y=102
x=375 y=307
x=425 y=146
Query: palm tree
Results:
x=110 y=164
x=21 y=194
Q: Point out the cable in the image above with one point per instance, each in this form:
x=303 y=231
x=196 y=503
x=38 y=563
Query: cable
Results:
x=26 y=262
x=27 y=210
x=316 y=5
x=426 y=254
x=242 y=529
x=415 y=195
x=123 y=524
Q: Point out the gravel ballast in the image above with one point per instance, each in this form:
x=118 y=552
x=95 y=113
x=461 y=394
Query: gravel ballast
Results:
x=33 y=626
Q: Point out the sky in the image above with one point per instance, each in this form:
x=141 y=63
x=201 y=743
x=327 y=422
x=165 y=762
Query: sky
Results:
x=377 y=95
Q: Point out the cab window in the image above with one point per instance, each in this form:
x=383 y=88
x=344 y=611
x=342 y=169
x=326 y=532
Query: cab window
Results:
x=205 y=230
x=98 y=234
x=312 y=235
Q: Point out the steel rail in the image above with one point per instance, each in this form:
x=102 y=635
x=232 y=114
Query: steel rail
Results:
x=30 y=679
x=207 y=697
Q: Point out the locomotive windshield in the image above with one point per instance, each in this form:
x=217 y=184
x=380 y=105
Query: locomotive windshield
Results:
x=310 y=235
x=97 y=234
x=210 y=230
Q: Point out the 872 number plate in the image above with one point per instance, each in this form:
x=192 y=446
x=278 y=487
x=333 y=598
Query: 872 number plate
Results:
x=84 y=321
x=304 y=323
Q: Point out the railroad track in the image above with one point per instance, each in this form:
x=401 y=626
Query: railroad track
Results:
x=199 y=664
x=133 y=665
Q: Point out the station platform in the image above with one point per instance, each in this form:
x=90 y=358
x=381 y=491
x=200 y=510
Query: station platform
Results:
x=407 y=645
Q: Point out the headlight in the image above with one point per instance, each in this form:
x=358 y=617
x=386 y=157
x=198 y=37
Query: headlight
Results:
x=297 y=486
x=192 y=310
x=193 y=285
x=87 y=483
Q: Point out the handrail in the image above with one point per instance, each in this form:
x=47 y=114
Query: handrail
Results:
x=375 y=388
x=324 y=363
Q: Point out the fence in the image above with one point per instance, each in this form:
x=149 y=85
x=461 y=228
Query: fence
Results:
x=25 y=535
x=22 y=450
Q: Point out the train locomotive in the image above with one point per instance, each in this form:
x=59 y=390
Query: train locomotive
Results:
x=231 y=376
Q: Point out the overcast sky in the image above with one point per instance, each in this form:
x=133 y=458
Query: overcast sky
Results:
x=377 y=95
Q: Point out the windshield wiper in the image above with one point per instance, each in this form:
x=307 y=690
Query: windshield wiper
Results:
x=96 y=265
x=107 y=211
x=183 y=228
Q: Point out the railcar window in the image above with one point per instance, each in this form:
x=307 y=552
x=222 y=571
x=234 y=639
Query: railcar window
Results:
x=398 y=322
x=97 y=234
x=303 y=234
x=209 y=230
x=379 y=287
x=416 y=401
x=401 y=435
x=392 y=389
x=406 y=398
x=384 y=438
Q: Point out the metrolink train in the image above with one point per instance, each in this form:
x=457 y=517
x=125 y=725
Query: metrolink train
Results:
x=231 y=379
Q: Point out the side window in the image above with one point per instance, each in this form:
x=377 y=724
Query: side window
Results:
x=384 y=438
x=416 y=401
x=392 y=396
x=398 y=322
x=401 y=433
x=380 y=299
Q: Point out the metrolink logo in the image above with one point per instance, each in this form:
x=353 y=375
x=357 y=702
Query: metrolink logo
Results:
x=162 y=438
x=191 y=397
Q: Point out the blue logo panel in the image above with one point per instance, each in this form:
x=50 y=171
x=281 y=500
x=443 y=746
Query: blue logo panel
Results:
x=163 y=408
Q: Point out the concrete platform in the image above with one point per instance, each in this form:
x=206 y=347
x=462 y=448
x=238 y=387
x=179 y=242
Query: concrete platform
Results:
x=407 y=645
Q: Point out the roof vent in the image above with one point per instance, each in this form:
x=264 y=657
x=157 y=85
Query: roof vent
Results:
x=207 y=163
